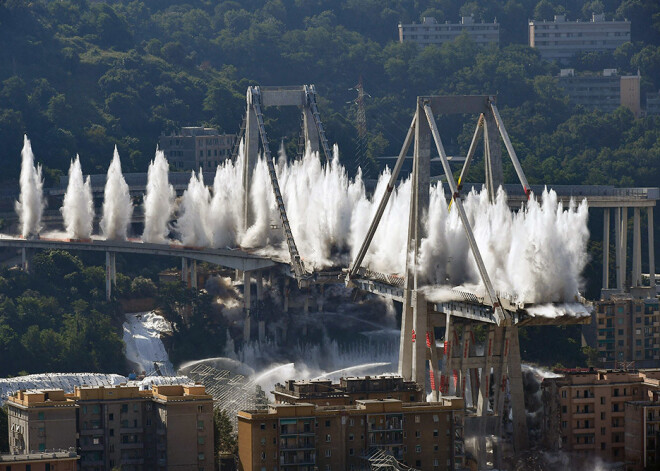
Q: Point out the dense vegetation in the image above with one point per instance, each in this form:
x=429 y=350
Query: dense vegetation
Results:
x=79 y=77
x=56 y=318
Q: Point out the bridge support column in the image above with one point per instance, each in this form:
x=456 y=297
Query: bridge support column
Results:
x=193 y=274
x=606 y=248
x=184 y=270
x=258 y=276
x=624 y=245
x=247 y=305
x=26 y=259
x=520 y=437
x=262 y=331
x=637 y=250
x=287 y=292
x=649 y=213
x=250 y=152
x=617 y=248
x=492 y=155
x=420 y=326
x=311 y=133
x=110 y=274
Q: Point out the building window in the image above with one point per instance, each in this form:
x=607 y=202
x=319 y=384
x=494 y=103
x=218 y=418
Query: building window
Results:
x=350 y=452
x=418 y=448
x=40 y=416
x=263 y=456
x=200 y=425
x=416 y=419
x=200 y=456
x=328 y=453
x=435 y=432
x=436 y=418
x=327 y=423
x=350 y=436
x=200 y=440
x=111 y=416
x=42 y=447
x=351 y=422
x=263 y=426
x=328 y=438
x=263 y=440
x=124 y=408
x=418 y=433
x=200 y=409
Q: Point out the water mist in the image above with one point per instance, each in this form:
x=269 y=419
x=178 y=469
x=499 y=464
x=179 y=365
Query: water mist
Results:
x=117 y=205
x=78 y=206
x=158 y=201
x=30 y=204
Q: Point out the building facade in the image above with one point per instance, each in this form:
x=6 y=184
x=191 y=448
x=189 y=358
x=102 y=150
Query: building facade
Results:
x=40 y=421
x=429 y=31
x=53 y=460
x=167 y=428
x=306 y=437
x=653 y=103
x=628 y=330
x=606 y=91
x=560 y=39
x=585 y=411
x=196 y=147
x=347 y=391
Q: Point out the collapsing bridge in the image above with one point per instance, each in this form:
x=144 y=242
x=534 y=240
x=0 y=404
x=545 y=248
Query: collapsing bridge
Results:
x=438 y=339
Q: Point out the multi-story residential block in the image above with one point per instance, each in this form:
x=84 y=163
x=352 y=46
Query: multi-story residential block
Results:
x=41 y=420
x=169 y=427
x=642 y=431
x=560 y=40
x=628 y=330
x=432 y=32
x=653 y=103
x=308 y=437
x=585 y=410
x=606 y=91
x=53 y=460
x=348 y=390
x=196 y=147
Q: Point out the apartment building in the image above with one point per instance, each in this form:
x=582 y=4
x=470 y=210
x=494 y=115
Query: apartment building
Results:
x=628 y=330
x=560 y=39
x=53 y=460
x=40 y=421
x=642 y=431
x=196 y=147
x=169 y=427
x=585 y=410
x=429 y=31
x=347 y=391
x=605 y=91
x=306 y=437
x=653 y=103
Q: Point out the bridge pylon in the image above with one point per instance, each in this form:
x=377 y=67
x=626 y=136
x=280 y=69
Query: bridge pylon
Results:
x=456 y=358
x=254 y=132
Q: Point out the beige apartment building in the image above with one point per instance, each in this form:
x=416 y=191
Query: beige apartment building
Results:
x=60 y=460
x=40 y=421
x=628 y=330
x=196 y=147
x=585 y=411
x=560 y=39
x=604 y=91
x=349 y=389
x=169 y=427
x=429 y=31
x=306 y=437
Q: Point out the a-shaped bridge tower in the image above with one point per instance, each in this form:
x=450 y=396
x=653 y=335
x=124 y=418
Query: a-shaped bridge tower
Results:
x=456 y=362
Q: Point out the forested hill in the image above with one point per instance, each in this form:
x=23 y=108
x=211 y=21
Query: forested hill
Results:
x=80 y=77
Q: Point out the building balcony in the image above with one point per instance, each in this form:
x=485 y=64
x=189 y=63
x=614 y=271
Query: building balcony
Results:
x=129 y=446
x=92 y=431
x=98 y=447
x=583 y=400
x=584 y=446
x=132 y=461
x=131 y=430
x=298 y=447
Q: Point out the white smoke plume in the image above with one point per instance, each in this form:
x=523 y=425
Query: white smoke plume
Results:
x=536 y=255
x=30 y=204
x=78 y=205
x=117 y=205
x=158 y=201
x=193 y=221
